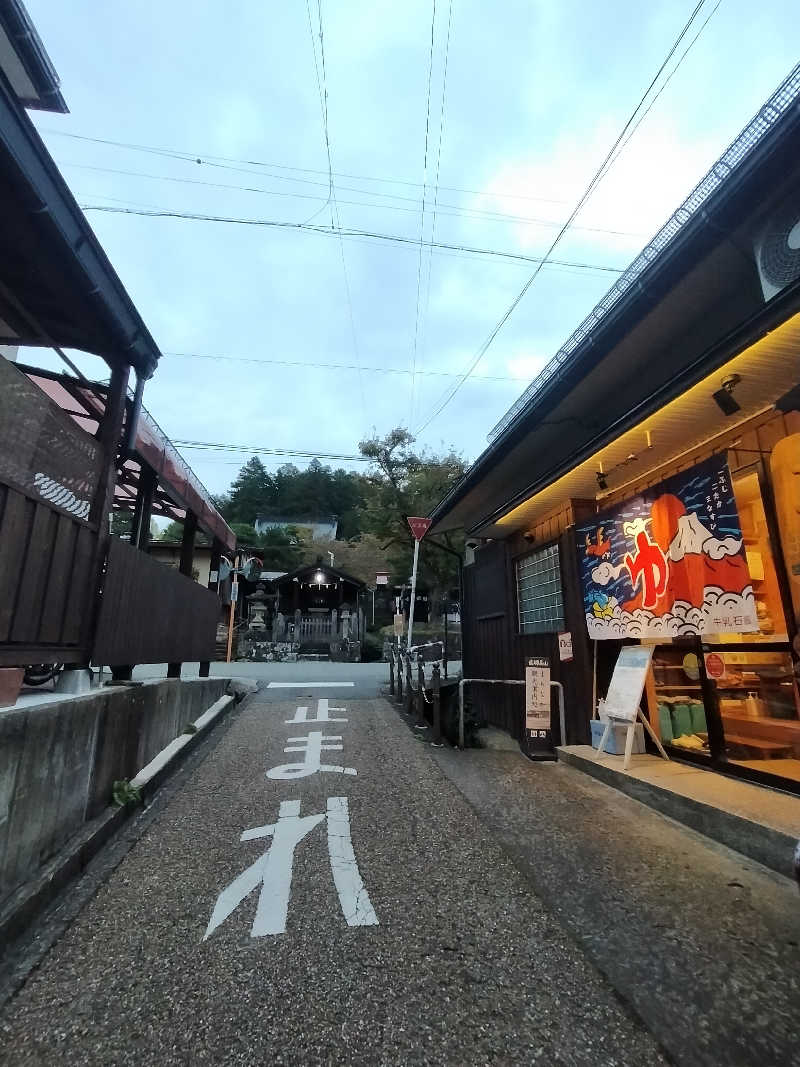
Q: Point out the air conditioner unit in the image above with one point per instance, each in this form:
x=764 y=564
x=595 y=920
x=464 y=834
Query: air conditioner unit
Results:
x=777 y=249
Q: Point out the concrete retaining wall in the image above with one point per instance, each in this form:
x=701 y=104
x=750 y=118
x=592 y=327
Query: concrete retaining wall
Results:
x=58 y=762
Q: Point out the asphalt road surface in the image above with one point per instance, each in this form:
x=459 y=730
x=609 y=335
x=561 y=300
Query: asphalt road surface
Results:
x=358 y=913
x=285 y=681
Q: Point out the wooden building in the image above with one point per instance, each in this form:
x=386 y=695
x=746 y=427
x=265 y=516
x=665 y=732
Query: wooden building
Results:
x=646 y=486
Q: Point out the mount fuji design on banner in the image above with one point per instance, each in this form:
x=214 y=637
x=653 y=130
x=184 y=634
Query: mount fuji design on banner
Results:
x=670 y=562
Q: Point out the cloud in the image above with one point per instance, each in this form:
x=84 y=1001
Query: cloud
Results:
x=605 y=573
x=721 y=611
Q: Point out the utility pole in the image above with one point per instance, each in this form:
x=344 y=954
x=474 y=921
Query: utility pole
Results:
x=234 y=598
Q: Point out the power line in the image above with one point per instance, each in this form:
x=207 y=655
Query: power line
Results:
x=663 y=86
x=448 y=210
x=436 y=183
x=598 y=175
x=422 y=213
x=348 y=232
x=214 y=446
x=205 y=158
x=323 y=95
x=336 y=366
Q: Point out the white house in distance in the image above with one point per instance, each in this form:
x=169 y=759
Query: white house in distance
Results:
x=320 y=528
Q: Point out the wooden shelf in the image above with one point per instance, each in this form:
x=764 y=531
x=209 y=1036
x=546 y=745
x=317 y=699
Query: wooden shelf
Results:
x=692 y=685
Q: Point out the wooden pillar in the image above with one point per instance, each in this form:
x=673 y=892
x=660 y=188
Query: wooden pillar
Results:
x=143 y=509
x=187 y=544
x=109 y=436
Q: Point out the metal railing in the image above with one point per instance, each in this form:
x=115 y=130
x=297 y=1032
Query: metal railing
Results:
x=507 y=681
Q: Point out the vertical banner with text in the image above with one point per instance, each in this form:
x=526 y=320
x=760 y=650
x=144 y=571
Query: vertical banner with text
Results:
x=537 y=707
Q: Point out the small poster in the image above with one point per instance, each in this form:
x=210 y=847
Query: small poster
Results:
x=627 y=683
x=565 y=653
x=537 y=696
x=399 y=625
x=715 y=666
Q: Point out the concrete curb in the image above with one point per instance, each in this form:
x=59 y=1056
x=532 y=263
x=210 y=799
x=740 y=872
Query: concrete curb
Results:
x=770 y=847
x=23 y=907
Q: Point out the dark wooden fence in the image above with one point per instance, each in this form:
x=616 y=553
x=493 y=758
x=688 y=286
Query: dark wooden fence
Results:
x=152 y=614
x=49 y=476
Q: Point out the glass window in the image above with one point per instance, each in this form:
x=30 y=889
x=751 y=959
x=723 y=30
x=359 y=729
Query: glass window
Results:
x=760 y=563
x=541 y=608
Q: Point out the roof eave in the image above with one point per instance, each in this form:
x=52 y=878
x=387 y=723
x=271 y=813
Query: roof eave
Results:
x=34 y=58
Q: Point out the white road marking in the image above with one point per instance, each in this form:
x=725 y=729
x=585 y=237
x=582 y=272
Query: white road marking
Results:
x=273 y=871
x=323 y=709
x=312 y=748
x=310 y=685
x=356 y=906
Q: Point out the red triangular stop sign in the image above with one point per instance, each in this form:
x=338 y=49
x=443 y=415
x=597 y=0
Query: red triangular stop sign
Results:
x=419 y=527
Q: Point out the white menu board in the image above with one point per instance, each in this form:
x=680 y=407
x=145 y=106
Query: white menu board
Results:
x=627 y=684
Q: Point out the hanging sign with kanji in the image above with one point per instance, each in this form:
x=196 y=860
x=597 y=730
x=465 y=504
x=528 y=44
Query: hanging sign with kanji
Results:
x=670 y=562
x=419 y=527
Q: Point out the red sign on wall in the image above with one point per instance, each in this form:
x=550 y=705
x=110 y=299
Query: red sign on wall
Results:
x=419 y=527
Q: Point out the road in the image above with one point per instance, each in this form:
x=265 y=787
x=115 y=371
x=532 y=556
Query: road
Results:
x=405 y=905
x=357 y=681
x=424 y=945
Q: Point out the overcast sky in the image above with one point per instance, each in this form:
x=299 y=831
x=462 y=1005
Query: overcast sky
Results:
x=536 y=93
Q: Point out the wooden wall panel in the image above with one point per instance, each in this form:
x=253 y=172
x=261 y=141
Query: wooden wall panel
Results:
x=46 y=592
x=152 y=614
x=493 y=647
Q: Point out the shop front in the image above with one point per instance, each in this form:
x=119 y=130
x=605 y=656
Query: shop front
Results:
x=702 y=566
x=645 y=488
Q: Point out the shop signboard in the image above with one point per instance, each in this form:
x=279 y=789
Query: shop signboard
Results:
x=668 y=563
x=537 y=707
x=537 y=695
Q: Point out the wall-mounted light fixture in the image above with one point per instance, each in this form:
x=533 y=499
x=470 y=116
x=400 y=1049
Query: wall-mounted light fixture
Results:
x=724 y=398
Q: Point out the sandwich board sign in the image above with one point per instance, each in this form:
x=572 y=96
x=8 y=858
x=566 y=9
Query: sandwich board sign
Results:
x=628 y=681
x=622 y=703
x=537 y=706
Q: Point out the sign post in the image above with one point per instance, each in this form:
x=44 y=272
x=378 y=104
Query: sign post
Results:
x=419 y=527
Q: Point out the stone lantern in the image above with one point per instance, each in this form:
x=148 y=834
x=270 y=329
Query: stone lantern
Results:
x=258 y=608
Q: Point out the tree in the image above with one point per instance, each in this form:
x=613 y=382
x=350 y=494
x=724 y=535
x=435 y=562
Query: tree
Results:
x=403 y=482
x=280 y=548
x=362 y=556
x=121 y=524
x=315 y=492
x=173 y=531
x=251 y=493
